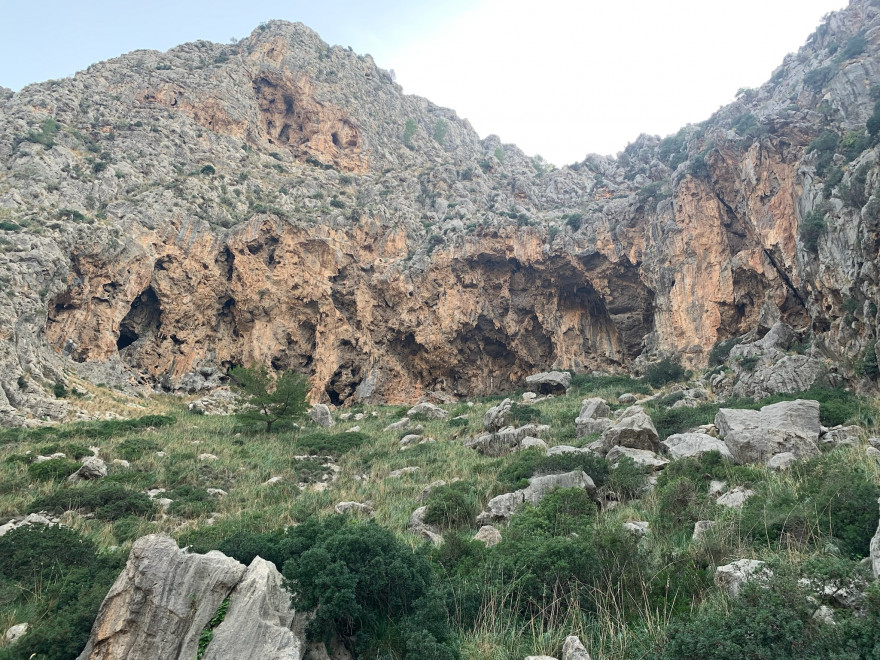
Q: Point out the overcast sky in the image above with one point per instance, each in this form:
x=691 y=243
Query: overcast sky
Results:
x=560 y=78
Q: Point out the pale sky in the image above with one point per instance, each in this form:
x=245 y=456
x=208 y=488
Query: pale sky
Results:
x=559 y=78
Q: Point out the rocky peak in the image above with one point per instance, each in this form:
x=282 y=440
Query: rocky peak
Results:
x=278 y=200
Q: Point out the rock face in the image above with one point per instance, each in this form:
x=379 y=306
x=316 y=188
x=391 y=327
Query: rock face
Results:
x=162 y=600
x=634 y=429
x=167 y=215
x=754 y=436
x=92 y=468
x=320 y=415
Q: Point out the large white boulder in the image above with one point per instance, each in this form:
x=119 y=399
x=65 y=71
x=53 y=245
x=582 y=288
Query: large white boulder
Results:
x=755 y=436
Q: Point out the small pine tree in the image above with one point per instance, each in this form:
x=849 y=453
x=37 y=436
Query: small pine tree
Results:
x=270 y=397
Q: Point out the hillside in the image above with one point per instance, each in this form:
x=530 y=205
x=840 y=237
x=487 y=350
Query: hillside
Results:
x=167 y=215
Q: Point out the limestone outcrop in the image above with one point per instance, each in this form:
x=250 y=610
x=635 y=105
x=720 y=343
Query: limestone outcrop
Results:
x=164 y=598
x=167 y=215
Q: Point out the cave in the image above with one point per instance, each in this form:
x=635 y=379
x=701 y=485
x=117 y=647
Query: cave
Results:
x=143 y=318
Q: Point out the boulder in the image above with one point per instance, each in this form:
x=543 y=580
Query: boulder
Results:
x=320 y=415
x=549 y=382
x=642 y=457
x=15 y=633
x=400 y=425
x=685 y=445
x=638 y=527
x=755 y=436
x=259 y=620
x=410 y=439
x=427 y=410
x=841 y=435
x=731 y=577
x=532 y=443
x=497 y=417
x=502 y=507
x=634 y=429
x=418 y=526
x=594 y=408
x=874 y=554
x=92 y=468
x=207 y=457
x=734 y=499
x=566 y=449
x=504 y=441
x=488 y=535
x=164 y=598
x=626 y=399
x=423 y=496
x=353 y=507
x=873 y=452
x=700 y=529
x=585 y=427
x=403 y=471
x=572 y=649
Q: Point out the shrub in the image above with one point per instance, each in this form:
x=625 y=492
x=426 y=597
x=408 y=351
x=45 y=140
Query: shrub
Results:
x=869 y=366
x=721 y=350
x=54 y=469
x=749 y=363
x=208 y=170
x=533 y=462
x=628 y=479
x=828 y=498
x=499 y=154
x=409 y=132
x=816 y=79
x=59 y=390
x=106 y=501
x=190 y=501
x=131 y=449
x=665 y=371
x=334 y=444
x=854 y=192
x=367 y=587
x=46 y=135
x=854 y=46
x=574 y=221
x=441 y=128
x=452 y=506
x=270 y=397
x=812 y=228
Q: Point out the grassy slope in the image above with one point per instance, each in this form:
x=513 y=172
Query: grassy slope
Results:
x=245 y=462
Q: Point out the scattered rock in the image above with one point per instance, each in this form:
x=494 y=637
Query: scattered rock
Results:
x=638 y=527
x=540 y=657
x=222 y=401
x=403 y=471
x=418 y=526
x=685 y=445
x=550 y=382
x=824 y=614
x=400 y=425
x=717 y=487
x=428 y=410
x=217 y=492
x=207 y=457
x=43 y=459
x=874 y=554
x=121 y=462
x=320 y=415
x=92 y=468
x=411 y=439
x=353 y=507
x=488 y=535
x=731 y=577
x=647 y=459
x=505 y=441
x=627 y=399
x=566 y=449
x=841 y=435
x=532 y=443
x=353 y=429
x=700 y=529
x=734 y=499
x=873 y=451
x=26 y=521
x=497 y=417
x=634 y=429
x=593 y=418
x=572 y=649
x=15 y=633
x=755 y=436
x=502 y=507
x=529 y=396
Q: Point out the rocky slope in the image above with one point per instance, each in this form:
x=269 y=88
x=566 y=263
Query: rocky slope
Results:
x=166 y=215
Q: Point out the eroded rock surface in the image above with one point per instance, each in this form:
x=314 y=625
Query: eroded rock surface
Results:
x=163 y=599
x=755 y=436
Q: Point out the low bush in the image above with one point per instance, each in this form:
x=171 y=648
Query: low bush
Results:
x=190 y=501
x=108 y=501
x=131 y=449
x=367 y=587
x=628 y=479
x=330 y=444
x=55 y=469
x=665 y=371
x=87 y=430
x=453 y=506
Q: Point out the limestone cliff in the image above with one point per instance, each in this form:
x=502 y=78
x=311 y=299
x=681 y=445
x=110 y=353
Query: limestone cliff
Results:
x=166 y=215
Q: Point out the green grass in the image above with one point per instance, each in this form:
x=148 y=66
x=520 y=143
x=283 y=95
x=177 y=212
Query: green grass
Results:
x=641 y=593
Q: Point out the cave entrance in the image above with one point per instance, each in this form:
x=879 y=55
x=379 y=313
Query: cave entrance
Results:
x=343 y=384
x=143 y=318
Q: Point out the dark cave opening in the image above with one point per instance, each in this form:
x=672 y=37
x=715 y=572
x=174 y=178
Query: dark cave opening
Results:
x=142 y=318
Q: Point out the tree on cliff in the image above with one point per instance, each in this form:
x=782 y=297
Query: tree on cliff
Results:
x=270 y=397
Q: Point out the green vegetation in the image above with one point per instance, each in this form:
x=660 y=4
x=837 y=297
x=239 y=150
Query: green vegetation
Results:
x=665 y=371
x=46 y=135
x=811 y=229
x=409 y=132
x=565 y=566
x=441 y=128
x=270 y=398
